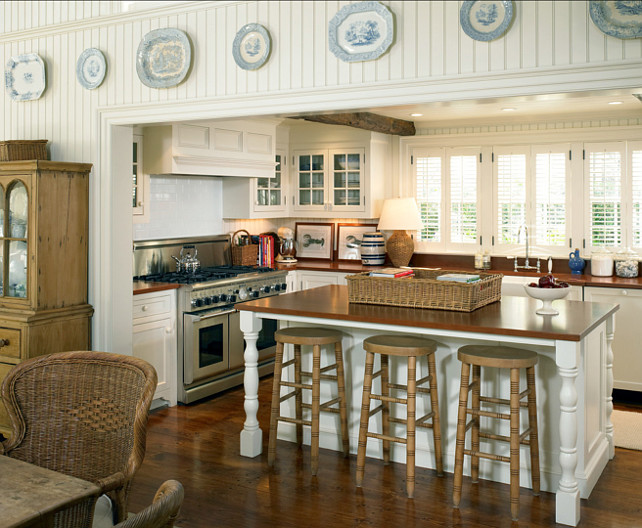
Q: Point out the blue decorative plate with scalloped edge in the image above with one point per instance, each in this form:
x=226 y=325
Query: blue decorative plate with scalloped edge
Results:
x=621 y=19
x=91 y=68
x=163 y=58
x=25 y=77
x=360 y=32
x=485 y=20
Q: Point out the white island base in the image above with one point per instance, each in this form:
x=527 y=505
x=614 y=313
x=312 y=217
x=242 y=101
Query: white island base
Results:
x=574 y=382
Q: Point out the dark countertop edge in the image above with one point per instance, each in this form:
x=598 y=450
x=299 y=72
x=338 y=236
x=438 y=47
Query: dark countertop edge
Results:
x=150 y=287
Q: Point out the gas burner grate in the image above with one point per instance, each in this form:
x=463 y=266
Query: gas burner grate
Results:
x=203 y=275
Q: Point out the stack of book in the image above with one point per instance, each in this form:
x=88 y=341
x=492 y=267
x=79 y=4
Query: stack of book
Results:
x=266 y=251
x=393 y=273
x=459 y=277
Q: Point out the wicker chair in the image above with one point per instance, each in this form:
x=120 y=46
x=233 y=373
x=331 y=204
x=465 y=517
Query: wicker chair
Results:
x=83 y=414
x=162 y=512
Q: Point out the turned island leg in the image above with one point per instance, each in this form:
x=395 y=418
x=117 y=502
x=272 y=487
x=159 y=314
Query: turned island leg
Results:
x=610 y=332
x=251 y=435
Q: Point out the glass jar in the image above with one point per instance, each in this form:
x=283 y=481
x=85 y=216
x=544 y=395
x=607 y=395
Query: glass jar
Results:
x=626 y=264
x=601 y=263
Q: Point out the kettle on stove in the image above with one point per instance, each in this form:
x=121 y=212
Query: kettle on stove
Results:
x=188 y=263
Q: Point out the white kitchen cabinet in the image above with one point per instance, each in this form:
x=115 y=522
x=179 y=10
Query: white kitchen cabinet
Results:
x=291 y=281
x=238 y=148
x=253 y=198
x=315 y=279
x=340 y=179
x=627 y=347
x=154 y=338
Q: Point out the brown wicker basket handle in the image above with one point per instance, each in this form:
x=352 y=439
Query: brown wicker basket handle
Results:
x=240 y=231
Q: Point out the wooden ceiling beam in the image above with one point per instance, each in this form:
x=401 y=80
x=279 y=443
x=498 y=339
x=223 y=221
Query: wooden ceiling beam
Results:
x=366 y=121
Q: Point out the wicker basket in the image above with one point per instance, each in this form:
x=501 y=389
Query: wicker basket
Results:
x=17 y=150
x=244 y=255
x=425 y=291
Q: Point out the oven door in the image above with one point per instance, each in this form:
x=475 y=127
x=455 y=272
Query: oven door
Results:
x=265 y=344
x=205 y=345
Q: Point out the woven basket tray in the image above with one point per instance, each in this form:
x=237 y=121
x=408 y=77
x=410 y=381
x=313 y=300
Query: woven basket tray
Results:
x=17 y=150
x=244 y=255
x=425 y=291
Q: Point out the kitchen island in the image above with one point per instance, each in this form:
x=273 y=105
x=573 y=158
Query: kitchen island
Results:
x=574 y=377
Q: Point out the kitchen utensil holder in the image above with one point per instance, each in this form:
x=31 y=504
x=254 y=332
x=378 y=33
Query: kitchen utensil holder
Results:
x=246 y=255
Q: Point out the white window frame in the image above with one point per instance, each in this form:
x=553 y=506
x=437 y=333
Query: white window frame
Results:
x=627 y=219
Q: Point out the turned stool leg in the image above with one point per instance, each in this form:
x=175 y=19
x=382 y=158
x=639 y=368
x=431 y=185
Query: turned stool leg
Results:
x=474 y=437
x=532 y=424
x=411 y=409
x=385 y=407
x=514 y=443
x=461 y=434
x=275 y=409
x=341 y=387
x=316 y=404
x=298 y=398
x=365 y=416
x=434 y=408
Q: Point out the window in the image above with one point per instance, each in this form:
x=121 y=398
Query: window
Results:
x=603 y=180
x=428 y=193
x=551 y=206
x=463 y=198
x=636 y=194
x=510 y=178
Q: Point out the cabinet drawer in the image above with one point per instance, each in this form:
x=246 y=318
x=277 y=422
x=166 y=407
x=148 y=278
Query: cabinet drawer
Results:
x=151 y=306
x=10 y=342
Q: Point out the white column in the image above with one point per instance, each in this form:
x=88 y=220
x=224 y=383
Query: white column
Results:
x=610 y=333
x=251 y=435
x=567 y=500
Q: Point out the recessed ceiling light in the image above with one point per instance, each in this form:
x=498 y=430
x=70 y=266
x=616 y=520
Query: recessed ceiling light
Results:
x=508 y=109
x=615 y=102
x=416 y=115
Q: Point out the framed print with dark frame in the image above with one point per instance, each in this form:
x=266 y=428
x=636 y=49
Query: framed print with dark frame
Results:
x=349 y=238
x=314 y=240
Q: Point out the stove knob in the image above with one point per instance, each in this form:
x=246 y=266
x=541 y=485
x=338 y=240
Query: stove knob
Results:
x=194 y=303
x=277 y=287
x=214 y=299
x=242 y=294
x=198 y=302
x=207 y=301
x=266 y=289
x=232 y=298
x=224 y=297
x=284 y=286
x=255 y=294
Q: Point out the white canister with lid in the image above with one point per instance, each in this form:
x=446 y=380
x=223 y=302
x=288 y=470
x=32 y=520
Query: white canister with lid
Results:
x=601 y=263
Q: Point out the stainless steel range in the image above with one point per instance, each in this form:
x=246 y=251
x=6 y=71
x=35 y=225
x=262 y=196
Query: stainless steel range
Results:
x=210 y=342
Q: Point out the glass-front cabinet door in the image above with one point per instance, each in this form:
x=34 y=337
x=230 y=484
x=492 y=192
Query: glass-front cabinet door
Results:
x=311 y=181
x=14 y=200
x=271 y=193
x=347 y=180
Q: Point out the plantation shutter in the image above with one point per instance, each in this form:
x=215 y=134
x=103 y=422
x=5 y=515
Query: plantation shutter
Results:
x=603 y=170
x=510 y=178
x=551 y=180
x=428 y=179
x=636 y=197
x=463 y=198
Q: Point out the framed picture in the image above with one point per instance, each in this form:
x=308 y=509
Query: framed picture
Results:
x=314 y=240
x=349 y=238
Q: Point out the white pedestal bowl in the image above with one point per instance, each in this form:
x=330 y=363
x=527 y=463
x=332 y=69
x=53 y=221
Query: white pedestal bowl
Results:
x=547 y=296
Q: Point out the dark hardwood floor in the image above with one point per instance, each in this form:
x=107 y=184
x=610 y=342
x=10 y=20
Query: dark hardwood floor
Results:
x=199 y=445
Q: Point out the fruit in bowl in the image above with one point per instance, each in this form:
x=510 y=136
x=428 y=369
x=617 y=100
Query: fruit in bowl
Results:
x=547 y=290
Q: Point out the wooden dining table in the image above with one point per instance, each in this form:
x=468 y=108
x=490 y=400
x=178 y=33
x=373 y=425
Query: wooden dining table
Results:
x=31 y=495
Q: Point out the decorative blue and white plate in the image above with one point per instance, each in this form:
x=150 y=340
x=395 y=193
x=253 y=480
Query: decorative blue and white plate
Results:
x=621 y=19
x=251 y=47
x=360 y=32
x=485 y=20
x=91 y=68
x=24 y=77
x=163 y=58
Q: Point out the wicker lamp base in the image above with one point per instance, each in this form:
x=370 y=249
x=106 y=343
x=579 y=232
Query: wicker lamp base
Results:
x=400 y=248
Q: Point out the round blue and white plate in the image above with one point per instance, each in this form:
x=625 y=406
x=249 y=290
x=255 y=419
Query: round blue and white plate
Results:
x=251 y=47
x=486 y=20
x=91 y=68
x=621 y=19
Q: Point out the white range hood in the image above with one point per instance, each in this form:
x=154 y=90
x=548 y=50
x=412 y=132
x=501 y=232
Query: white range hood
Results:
x=241 y=148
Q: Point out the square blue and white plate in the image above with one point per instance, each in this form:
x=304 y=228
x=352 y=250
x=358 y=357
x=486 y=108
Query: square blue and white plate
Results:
x=163 y=58
x=24 y=77
x=620 y=19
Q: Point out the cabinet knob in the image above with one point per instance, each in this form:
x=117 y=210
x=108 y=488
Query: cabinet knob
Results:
x=140 y=204
x=624 y=292
x=168 y=329
x=144 y=308
x=4 y=342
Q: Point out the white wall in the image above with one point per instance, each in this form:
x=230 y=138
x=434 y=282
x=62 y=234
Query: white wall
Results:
x=550 y=47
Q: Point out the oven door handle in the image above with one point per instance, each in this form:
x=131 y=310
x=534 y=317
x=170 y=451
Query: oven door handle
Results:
x=204 y=317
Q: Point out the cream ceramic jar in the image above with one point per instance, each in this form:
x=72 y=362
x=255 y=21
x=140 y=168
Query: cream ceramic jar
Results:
x=601 y=263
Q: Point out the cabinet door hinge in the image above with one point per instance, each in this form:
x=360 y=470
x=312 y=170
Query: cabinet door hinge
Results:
x=583 y=154
x=480 y=157
x=412 y=160
x=492 y=157
x=570 y=155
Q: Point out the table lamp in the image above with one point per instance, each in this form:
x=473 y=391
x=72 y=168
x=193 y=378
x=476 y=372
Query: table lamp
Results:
x=400 y=215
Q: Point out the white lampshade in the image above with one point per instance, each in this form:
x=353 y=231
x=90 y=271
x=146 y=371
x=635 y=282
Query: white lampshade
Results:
x=400 y=214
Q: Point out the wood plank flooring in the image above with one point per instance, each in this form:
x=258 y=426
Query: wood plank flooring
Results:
x=198 y=444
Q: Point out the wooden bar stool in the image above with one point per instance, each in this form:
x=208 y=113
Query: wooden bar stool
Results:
x=316 y=337
x=410 y=347
x=514 y=359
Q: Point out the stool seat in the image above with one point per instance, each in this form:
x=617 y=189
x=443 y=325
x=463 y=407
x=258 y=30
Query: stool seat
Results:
x=307 y=336
x=497 y=356
x=412 y=348
x=400 y=345
x=513 y=359
x=315 y=337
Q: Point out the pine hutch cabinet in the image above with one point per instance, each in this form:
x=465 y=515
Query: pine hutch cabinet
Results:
x=43 y=261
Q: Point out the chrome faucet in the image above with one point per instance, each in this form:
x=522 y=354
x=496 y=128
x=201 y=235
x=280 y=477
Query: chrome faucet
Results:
x=526 y=265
